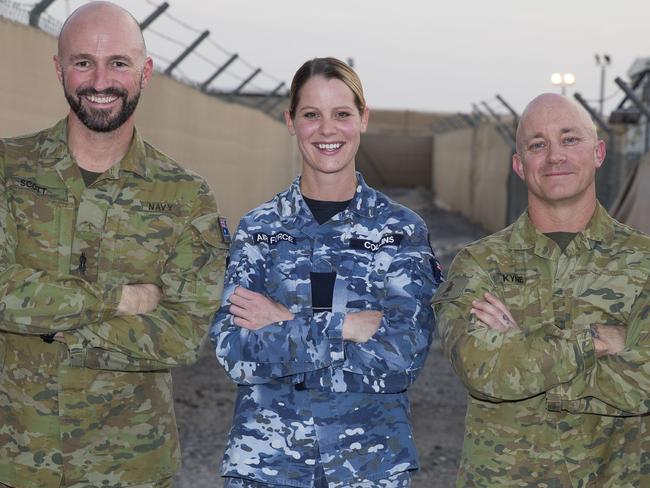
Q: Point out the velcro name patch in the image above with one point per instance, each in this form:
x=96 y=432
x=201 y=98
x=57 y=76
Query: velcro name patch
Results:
x=273 y=239
x=374 y=246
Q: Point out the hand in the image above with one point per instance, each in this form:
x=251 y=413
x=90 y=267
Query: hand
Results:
x=137 y=299
x=608 y=339
x=59 y=337
x=361 y=326
x=493 y=314
x=253 y=310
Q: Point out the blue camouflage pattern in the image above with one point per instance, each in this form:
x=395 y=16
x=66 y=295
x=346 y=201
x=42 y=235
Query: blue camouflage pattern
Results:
x=306 y=397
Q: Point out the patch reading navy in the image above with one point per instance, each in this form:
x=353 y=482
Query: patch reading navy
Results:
x=274 y=239
x=225 y=233
x=374 y=246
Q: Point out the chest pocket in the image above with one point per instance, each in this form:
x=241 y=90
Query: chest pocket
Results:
x=606 y=296
x=365 y=266
x=144 y=238
x=287 y=273
x=523 y=296
x=39 y=213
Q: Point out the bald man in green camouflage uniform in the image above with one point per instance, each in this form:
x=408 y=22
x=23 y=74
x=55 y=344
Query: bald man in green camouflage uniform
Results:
x=547 y=323
x=111 y=261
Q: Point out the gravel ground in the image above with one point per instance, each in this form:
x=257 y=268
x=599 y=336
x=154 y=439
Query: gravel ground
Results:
x=204 y=395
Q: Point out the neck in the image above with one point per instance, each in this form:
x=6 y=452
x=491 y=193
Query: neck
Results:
x=332 y=187
x=98 y=151
x=561 y=218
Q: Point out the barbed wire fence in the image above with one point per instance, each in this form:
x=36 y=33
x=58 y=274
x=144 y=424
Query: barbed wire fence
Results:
x=206 y=65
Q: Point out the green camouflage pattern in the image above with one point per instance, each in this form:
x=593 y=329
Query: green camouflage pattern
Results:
x=543 y=410
x=98 y=411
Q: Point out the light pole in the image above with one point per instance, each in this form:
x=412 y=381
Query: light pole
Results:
x=563 y=80
x=602 y=63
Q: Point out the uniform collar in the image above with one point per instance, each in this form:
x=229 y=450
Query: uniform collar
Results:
x=56 y=150
x=524 y=235
x=291 y=204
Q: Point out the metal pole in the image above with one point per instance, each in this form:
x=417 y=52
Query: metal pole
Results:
x=205 y=84
x=246 y=81
x=154 y=15
x=503 y=130
x=39 y=8
x=601 y=103
x=270 y=94
x=468 y=120
x=275 y=104
x=594 y=115
x=185 y=53
x=632 y=96
x=508 y=107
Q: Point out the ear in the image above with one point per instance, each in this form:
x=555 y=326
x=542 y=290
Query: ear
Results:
x=147 y=73
x=289 y=122
x=58 y=68
x=601 y=152
x=364 y=119
x=518 y=166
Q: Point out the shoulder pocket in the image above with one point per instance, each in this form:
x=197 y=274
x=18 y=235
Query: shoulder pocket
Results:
x=209 y=229
x=451 y=289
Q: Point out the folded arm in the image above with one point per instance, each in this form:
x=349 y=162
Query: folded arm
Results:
x=510 y=364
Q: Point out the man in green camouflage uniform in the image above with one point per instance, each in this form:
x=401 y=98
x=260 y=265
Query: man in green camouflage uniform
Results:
x=547 y=323
x=111 y=261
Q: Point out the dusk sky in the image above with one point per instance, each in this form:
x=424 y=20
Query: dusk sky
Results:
x=415 y=54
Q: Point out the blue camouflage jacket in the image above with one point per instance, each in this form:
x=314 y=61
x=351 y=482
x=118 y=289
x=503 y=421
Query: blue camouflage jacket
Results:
x=305 y=396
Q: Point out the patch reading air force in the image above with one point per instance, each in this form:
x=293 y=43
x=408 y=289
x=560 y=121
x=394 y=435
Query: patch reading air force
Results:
x=274 y=239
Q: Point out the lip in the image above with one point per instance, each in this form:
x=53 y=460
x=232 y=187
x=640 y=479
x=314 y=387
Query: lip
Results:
x=559 y=173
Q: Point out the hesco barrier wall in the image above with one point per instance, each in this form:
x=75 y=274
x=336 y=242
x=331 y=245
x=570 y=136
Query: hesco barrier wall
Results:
x=245 y=156
x=395 y=160
x=470 y=174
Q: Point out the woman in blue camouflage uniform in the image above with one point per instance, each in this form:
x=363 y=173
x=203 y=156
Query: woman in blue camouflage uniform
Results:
x=325 y=320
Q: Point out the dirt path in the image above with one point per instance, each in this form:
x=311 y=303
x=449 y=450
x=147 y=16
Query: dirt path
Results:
x=204 y=395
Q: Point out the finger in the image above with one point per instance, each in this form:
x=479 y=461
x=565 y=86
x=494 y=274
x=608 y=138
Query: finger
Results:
x=243 y=323
x=489 y=320
x=246 y=293
x=238 y=300
x=240 y=312
x=486 y=307
x=498 y=304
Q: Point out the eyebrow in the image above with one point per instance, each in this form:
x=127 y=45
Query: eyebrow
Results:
x=564 y=130
x=114 y=57
x=340 y=107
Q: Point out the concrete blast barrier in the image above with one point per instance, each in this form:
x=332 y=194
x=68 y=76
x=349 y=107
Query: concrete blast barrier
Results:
x=244 y=155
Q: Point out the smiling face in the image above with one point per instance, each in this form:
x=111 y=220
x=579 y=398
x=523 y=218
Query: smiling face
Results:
x=102 y=66
x=327 y=125
x=558 y=153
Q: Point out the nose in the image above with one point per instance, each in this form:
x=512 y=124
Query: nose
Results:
x=327 y=126
x=101 y=78
x=556 y=154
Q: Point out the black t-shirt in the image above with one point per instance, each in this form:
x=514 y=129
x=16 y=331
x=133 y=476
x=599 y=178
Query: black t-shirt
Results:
x=322 y=284
x=562 y=239
x=89 y=176
x=324 y=210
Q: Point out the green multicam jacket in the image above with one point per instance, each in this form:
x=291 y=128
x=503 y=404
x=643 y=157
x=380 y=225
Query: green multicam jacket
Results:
x=99 y=410
x=543 y=410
